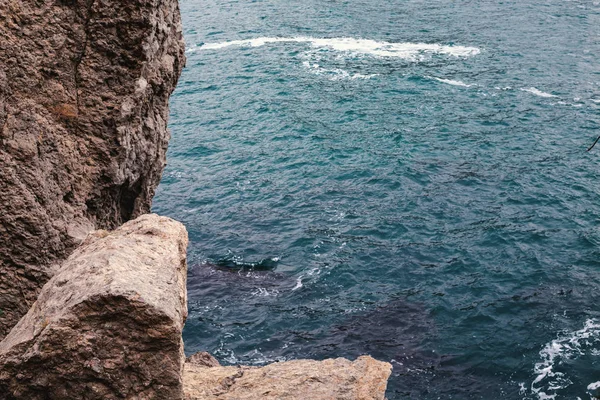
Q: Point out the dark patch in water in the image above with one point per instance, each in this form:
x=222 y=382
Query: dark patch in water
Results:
x=233 y=263
x=402 y=333
x=398 y=332
x=209 y=278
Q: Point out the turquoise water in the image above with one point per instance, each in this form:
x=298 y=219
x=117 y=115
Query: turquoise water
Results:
x=406 y=179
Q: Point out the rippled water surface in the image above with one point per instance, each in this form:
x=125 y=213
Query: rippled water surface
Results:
x=406 y=179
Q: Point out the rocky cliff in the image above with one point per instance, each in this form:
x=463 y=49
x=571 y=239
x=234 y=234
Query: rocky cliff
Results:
x=84 y=88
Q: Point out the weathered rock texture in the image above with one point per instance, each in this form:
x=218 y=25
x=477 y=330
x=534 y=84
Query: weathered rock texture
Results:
x=339 y=379
x=108 y=324
x=84 y=88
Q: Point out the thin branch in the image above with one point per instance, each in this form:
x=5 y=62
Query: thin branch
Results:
x=594 y=144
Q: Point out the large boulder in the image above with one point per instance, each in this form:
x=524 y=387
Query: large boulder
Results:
x=84 y=88
x=332 y=379
x=108 y=324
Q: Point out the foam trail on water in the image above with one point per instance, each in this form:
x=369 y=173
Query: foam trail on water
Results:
x=449 y=81
x=358 y=46
x=335 y=74
x=566 y=346
x=537 y=92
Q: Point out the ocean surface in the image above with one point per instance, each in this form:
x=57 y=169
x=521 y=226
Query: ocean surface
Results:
x=405 y=179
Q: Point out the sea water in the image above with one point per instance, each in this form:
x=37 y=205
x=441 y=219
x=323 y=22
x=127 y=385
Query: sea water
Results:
x=404 y=179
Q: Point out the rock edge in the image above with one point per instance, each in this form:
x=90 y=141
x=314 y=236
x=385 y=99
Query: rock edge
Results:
x=108 y=324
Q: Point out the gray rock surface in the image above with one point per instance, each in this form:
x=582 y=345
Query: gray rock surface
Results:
x=84 y=88
x=332 y=379
x=108 y=324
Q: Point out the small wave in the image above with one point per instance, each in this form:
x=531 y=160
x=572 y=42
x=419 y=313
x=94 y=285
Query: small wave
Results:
x=254 y=357
x=312 y=272
x=567 y=346
x=264 y=292
x=449 y=81
x=298 y=283
x=537 y=92
x=352 y=45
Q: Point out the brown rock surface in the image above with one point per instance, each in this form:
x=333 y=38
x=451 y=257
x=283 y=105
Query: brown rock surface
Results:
x=108 y=324
x=84 y=88
x=203 y=359
x=339 y=379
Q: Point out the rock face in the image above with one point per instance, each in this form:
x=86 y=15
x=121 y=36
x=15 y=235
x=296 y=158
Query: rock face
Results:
x=84 y=88
x=108 y=324
x=339 y=379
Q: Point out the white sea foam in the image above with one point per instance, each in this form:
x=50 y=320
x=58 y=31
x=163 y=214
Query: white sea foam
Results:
x=597 y=101
x=253 y=357
x=537 y=92
x=298 y=283
x=263 y=292
x=593 y=386
x=335 y=74
x=352 y=45
x=312 y=272
x=449 y=81
x=594 y=389
x=566 y=346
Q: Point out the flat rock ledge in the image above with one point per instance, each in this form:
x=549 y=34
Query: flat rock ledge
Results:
x=339 y=379
x=108 y=324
